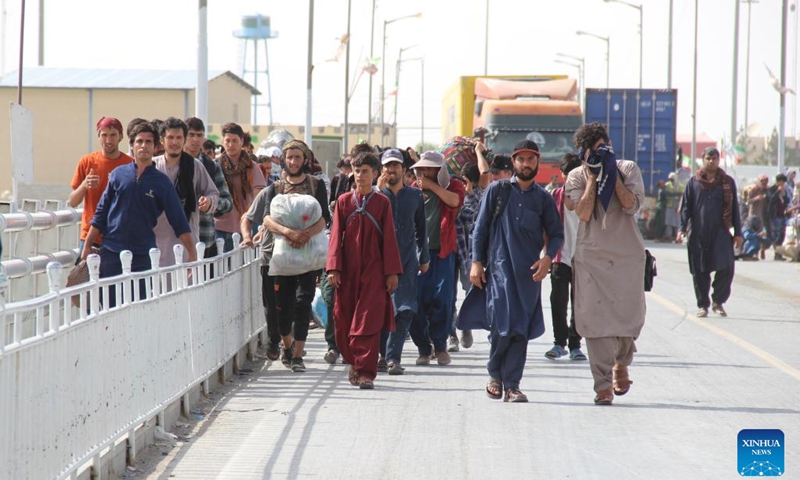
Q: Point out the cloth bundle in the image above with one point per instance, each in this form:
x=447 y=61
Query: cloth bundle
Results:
x=297 y=212
x=459 y=151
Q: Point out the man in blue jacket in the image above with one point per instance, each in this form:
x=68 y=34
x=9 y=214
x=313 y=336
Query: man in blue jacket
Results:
x=137 y=193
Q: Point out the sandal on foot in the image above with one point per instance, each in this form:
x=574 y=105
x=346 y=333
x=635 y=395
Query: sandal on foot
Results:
x=494 y=389
x=365 y=383
x=352 y=376
x=622 y=382
x=576 y=354
x=556 y=352
x=513 y=395
x=604 y=397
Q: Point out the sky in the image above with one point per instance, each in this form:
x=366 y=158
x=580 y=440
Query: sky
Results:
x=523 y=38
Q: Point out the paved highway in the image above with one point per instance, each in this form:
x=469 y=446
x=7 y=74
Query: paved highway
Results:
x=697 y=383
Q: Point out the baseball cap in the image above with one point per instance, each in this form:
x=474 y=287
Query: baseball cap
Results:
x=391 y=155
x=500 y=163
x=525 y=146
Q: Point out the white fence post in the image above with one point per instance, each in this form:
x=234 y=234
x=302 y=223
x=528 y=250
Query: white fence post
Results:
x=54 y=273
x=155 y=261
x=93 y=261
x=126 y=258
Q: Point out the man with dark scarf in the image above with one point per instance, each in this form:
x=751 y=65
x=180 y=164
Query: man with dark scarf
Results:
x=195 y=188
x=244 y=180
x=708 y=212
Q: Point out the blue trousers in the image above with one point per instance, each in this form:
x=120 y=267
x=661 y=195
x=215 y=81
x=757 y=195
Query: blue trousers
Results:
x=436 y=292
x=392 y=342
x=111 y=265
x=507 y=357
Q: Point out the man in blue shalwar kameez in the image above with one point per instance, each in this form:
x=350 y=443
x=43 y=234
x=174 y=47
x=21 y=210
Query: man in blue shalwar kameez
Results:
x=412 y=240
x=507 y=270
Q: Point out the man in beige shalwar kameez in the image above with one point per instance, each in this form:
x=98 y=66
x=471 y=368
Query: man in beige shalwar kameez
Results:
x=608 y=265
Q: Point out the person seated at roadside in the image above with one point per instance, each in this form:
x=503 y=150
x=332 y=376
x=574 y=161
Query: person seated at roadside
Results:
x=754 y=237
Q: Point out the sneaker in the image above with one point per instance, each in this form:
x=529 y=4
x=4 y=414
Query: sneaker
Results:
x=382 y=367
x=576 y=354
x=452 y=343
x=702 y=313
x=298 y=366
x=331 y=356
x=424 y=360
x=717 y=308
x=466 y=338
x=286 y=358
x=443 y=358
x=395 y=369
x=556 y=352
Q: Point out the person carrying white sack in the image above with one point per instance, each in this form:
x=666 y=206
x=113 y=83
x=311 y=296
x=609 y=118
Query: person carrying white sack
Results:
x=294 y=223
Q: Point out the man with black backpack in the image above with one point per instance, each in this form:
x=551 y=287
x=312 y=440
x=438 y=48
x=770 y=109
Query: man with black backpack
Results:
x=292 y=295
x=507 y=270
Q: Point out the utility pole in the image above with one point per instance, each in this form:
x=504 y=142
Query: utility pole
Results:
x=371 y=56
x=310 y=71
x=669 y=49
x=41 y=33
x=346 y=136
x=201 y=90
x=735 y=89
x=747 y=64
x=782 y=131
x=694 y=92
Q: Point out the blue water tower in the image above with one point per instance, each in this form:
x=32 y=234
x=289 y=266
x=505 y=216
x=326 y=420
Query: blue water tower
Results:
x=255 y=29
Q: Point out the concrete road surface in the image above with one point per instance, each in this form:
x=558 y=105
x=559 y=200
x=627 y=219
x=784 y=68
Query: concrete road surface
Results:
x=697 y=383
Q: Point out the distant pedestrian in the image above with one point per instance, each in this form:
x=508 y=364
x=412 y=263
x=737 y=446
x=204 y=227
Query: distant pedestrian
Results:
x=91 y=175
x=363 y=266
x=609 y=260
x=777 y=203
x=507 y=270
x=708 y=211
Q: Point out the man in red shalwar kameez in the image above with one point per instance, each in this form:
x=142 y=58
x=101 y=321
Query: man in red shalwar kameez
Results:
x=363 y=265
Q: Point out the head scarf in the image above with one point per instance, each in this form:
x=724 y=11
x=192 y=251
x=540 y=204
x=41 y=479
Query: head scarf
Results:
x=718 y=179
x=603 y=163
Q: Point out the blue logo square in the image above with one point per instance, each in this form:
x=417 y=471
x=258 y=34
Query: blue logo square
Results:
x=761 y=453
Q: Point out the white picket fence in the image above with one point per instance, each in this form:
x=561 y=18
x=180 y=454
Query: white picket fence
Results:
x=74 y=381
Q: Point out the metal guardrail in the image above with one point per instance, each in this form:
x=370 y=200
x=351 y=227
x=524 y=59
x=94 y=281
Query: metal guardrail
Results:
x=77 y=380
x=33 y=238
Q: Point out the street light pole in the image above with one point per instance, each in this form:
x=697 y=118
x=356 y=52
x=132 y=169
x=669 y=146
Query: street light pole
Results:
x=669 y=49
x=579 y=66
x=747 y=65
x=346 y=136
x=641 y=34
x=781 y=136
x=422 y=94
x=486 y=42
x=371 y=56
x=383 y=69
x=694 y=93
x=735 y=87
x=608 y=53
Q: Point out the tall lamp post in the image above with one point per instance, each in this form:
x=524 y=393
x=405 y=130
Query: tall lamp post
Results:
x=421 y=60
x=397 y=77
x=386 y=23
x=608 y=53
x=641 y=33
x=581 y=72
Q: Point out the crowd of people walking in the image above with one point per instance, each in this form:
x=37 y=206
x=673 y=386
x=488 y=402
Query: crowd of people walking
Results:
x=391 y=238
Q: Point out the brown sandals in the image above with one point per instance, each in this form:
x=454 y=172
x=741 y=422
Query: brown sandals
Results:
x=494 y=389
x=622 y=382
x=514 y=395
x=604 y=397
